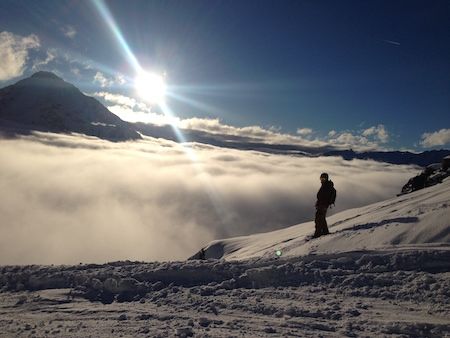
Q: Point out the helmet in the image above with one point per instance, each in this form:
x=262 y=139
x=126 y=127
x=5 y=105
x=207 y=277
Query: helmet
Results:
x=325 y=175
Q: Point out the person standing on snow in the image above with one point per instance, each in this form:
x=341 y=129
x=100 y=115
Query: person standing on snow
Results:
x=325 y=197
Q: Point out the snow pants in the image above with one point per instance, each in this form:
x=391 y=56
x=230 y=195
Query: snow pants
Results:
x=321 y=222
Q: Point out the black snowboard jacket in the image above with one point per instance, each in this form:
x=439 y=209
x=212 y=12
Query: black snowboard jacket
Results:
x=324 y=194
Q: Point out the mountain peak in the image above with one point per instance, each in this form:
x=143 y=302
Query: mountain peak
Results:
x=45 y=75
x=46 y=102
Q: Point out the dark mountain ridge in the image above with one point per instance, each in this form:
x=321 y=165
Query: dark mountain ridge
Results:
x=422 y=159
x=46 y=102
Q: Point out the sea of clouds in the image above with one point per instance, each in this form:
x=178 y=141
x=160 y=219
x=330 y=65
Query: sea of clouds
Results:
x=71 y=198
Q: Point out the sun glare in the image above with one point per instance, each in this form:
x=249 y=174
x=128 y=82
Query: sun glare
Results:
x=151 y=87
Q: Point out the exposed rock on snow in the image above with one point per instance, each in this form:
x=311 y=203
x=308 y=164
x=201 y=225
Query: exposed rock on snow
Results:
x=431 y=175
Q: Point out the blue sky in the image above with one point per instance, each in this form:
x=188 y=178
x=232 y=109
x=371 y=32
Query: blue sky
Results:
x=361 y=74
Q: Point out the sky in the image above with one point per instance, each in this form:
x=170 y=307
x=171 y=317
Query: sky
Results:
x=356 y=74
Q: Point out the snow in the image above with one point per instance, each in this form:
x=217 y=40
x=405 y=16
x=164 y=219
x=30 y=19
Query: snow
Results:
x=417 y=220
x=365 y=293
x=383 y=271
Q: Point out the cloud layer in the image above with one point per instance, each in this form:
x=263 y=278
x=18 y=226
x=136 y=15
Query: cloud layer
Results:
x=78 y=199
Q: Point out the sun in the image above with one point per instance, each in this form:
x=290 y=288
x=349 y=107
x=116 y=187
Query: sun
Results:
x=151 y=87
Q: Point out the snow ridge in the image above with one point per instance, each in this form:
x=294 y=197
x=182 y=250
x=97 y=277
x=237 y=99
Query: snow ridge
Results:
x=417 y=220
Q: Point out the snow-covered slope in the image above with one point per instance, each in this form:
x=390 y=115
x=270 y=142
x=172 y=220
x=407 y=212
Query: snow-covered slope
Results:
x=417 y=220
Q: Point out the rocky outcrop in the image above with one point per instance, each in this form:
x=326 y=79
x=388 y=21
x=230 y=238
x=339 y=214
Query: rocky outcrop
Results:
x=431 y=175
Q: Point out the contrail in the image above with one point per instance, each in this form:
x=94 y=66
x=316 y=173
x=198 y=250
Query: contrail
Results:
x=395 y=43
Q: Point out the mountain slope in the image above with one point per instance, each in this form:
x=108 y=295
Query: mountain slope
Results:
x=417 y=220
x=46 y=102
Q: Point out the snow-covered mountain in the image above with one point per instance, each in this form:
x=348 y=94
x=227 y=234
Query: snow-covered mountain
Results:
x=420 y=219
x=46 y=102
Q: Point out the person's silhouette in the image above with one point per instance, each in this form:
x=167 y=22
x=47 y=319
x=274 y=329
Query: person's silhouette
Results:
x=325 y=197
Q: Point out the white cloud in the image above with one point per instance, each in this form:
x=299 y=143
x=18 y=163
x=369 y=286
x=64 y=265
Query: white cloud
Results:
x=275 y=129
x=51 y=55
x=304 y=131
x=129 y=114
x=108 y=81
x=102 y=80
x=350 y=140
x=148 y=200
x=69 y=31
x=437 y=138
x=379 y=132
x=256 y=133
x=369 y=131
x=368 y=139
x=347 y=140
x=55 y=59
x=134 y=110
x=342 y=140
x=383 y=135
x=75 y=71
x=14 y=53
x=120 y=79
x=75 y=60
x=117 y=99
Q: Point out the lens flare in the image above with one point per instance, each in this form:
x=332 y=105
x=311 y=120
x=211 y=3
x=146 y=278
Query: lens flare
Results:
x=151 y=87
x=102 y=8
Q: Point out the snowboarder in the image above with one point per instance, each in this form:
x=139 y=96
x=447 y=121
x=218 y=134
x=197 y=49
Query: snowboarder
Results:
x=326 y=196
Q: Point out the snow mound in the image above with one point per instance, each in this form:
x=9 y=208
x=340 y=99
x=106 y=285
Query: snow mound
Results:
x=358 y=294
x=413 y=274
x=419 y=220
